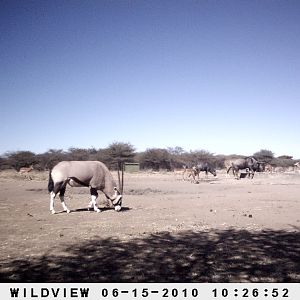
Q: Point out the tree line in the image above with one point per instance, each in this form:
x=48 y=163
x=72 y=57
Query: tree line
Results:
x=117 y=153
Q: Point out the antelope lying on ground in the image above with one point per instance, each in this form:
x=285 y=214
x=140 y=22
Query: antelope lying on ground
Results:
x=269 y=168
x=26 y=170
x=92 y=174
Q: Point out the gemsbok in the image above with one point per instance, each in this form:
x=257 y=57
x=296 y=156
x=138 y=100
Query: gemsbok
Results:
x=92 y=174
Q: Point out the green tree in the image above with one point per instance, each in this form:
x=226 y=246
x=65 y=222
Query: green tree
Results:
x=201 y=156
x=4 y=163
x=118 y=153
x=49 y=159
x=283 y=161
x=264 y=155
x=21 y=159
x=177 y=157
x=81 y=154
x=156 y=159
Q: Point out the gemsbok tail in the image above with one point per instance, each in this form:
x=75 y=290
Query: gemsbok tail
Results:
x=229 y=169
x=50 y=183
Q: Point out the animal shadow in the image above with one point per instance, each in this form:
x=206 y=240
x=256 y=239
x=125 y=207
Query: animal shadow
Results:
x=106 y=208
x=188 y=256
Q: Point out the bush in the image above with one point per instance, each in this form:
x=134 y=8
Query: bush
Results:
x=118 y=153
x=19 y=159
x=155 y=159
x=284 y=161
x=264 y=155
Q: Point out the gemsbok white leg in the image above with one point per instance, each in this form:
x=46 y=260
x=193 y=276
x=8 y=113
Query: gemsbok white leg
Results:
x=52 y=197
x=62 y=200
x=93 y=202
x=90 y=205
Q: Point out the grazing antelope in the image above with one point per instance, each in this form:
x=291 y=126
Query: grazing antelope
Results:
x=187 y=173
x=227 y=165
x=180 y=171
x=92 y=174
x=203 y=167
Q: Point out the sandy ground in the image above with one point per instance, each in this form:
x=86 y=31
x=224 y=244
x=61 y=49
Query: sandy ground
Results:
x=169 y=230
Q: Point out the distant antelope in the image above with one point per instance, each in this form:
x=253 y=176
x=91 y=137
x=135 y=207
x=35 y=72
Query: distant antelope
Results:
x=26 y=170
x=180 y=171
x=228 y=167
x=187 y=173
x=269 y=168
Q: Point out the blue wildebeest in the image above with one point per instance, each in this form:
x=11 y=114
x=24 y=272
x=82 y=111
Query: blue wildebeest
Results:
x=92 y=174
x=250 y=164
x=203 y=167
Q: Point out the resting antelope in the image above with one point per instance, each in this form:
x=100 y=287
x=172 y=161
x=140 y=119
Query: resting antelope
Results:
x=25 y=170
x=92 y=174
x=269 y=168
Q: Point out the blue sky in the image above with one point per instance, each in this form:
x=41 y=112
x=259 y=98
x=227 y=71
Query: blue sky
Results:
x=223 y=76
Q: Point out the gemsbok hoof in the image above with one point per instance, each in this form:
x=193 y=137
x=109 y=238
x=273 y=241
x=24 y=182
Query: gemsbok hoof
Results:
x=117 y=208
x=52 y=211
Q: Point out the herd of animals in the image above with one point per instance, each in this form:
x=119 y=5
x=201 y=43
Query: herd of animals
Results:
x=241 y=167
x=96 y=176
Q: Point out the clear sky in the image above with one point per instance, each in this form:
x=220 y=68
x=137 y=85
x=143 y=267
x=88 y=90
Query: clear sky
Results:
x=223 y=76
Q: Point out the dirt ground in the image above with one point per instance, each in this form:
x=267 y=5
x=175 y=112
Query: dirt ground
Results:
x=169 y=230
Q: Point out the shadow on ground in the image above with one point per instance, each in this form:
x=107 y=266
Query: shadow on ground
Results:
x=214 y=256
